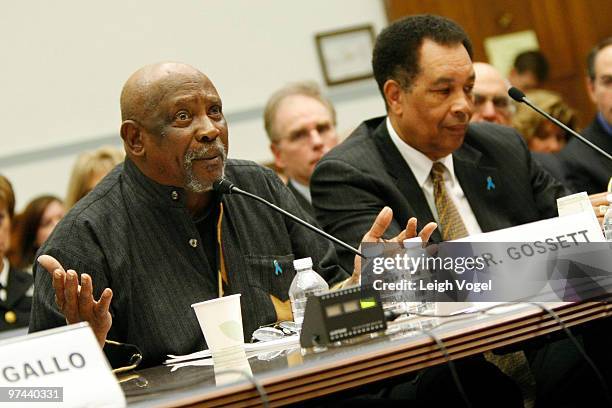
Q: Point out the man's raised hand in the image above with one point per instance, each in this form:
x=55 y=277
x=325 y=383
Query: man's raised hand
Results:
x=76 y=301
x=380 y=225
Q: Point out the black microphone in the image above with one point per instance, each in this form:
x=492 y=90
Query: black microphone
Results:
x=225 y=186
x=519 y=96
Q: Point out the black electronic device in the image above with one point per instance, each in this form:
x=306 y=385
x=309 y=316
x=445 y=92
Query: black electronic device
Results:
x=341 y=315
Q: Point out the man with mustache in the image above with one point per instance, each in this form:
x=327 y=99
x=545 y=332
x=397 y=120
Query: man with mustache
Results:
x=425 y=156
x=490 y=93
x=425 y=160
x=153 y=238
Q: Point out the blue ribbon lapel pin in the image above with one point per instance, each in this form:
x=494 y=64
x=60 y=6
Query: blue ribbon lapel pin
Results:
x=490 y=183
x=277 y=268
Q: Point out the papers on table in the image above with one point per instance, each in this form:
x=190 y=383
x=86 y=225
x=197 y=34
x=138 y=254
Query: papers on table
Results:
x=251 y=349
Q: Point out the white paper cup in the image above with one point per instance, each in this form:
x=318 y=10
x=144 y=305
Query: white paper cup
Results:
x=221 y=322
x=231 y=366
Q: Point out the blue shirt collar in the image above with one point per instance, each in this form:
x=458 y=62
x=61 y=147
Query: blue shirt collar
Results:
x=604 y=123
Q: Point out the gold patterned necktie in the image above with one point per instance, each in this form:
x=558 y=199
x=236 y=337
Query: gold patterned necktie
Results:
x=451 y=224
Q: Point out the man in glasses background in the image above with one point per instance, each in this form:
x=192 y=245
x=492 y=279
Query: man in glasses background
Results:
x=491 y=100
x=301 y=125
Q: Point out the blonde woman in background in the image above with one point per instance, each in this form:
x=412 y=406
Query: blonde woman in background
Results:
x=89 y=169
x=541 y=135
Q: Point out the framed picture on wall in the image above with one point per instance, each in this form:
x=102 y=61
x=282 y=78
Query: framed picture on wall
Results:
x=345 y=55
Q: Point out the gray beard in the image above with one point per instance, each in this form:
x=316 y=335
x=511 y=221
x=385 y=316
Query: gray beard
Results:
x=196 y=186
x=192 y=184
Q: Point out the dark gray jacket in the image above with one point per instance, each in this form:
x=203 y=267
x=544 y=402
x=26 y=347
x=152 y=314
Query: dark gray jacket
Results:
x=136 y=237
x=585 y=169
x=366 y=172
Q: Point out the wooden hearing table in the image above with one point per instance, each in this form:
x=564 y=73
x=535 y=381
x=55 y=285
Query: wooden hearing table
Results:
x=291 y=377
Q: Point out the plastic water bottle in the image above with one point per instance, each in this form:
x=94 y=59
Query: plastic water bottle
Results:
x=306 y=282
x=607 y=221
x=423 y=304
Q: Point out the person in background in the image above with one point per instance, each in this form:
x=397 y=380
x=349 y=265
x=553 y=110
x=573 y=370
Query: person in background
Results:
x=279 y=172
x=542 y=135
x=32 y=228
x=89 y=168
x=15 y=285
x=491 y=100
x=301 y=125
x=492 y=104
x=586 y=169
x=529 y=71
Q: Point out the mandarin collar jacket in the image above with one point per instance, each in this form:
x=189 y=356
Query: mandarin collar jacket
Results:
x=136 y=237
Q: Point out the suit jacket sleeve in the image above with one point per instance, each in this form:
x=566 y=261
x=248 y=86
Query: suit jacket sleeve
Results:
x=585 y=169
x=346 y=204
x=546 y=189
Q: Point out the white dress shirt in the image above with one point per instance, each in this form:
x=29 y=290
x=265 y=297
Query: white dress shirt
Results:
x=4 y=278
x=421 y=168
x=304 y=190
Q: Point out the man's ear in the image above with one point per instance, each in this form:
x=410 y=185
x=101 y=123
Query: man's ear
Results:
x=590 y=86
x=512 y=75
x=393 y=96
x=132 y=138
x=278 y=160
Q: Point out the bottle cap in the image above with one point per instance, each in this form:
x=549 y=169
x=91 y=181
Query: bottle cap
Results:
x=303 y=263
x=412 y=243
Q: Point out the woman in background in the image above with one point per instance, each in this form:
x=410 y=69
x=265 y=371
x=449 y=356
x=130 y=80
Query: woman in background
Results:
x=32 y=228
x=544 y=138
x=15 y=285
x=541 y=135
x=89 y=169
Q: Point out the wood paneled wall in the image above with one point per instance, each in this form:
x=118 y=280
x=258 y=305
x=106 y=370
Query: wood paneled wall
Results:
x=566 y=31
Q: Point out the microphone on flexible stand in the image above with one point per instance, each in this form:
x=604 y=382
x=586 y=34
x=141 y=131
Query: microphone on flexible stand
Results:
x=519 y=96
x=225 y=186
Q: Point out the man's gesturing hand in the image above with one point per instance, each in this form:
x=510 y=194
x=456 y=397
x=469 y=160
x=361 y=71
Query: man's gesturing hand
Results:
x=76 y=301
x=381 y=223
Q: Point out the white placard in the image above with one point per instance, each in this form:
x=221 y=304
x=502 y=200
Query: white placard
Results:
x=575 y=203
x=581 y=227
x=68 y=357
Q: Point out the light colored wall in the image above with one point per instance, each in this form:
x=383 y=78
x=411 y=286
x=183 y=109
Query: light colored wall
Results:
x=65 y=61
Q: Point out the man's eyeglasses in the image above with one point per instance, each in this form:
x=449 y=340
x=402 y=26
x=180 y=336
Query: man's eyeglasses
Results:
x=499 y=102
x=275 y=331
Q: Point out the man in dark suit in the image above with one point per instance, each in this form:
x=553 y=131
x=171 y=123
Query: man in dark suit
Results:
x=426 y=78
x=501 y=184
x=586 y=169
x=426 y=160
x=301 y=125
x=15 y=285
